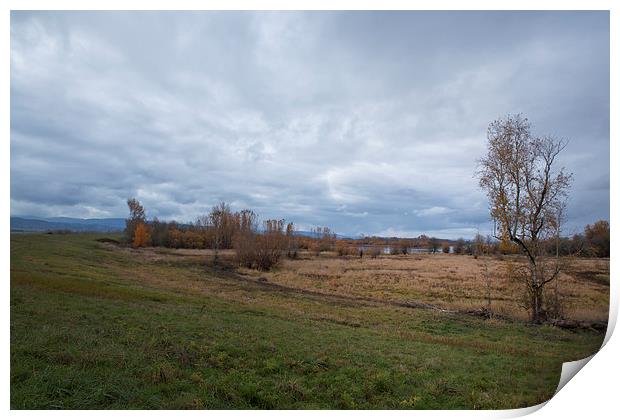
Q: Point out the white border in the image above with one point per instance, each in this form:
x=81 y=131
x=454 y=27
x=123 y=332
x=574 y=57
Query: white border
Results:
x=591 y=394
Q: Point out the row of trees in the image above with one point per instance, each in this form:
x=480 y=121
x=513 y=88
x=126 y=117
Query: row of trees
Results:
x=593 y=242
x=256 y=245
x=217 y=230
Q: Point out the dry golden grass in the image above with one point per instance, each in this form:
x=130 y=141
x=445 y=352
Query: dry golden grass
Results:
x=454 y=282
x=457 y=282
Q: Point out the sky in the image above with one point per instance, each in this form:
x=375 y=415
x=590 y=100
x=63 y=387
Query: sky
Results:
x=367 y=122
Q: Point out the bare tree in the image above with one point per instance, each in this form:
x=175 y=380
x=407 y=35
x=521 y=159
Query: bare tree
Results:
x=478 y=245
x=525 y=192
x=224 y=225
x=244 y=240
x=291 y=237
x=324 y=238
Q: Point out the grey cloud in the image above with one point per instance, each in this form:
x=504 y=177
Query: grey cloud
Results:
x=363 y=121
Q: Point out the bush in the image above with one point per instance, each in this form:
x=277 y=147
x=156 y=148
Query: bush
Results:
x=341 y=250
x=261 y=251
x=293 y=255
x=403 y=246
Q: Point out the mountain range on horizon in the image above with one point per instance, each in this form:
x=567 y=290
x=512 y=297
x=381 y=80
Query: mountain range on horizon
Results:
x=43 y=224
x=74 y=224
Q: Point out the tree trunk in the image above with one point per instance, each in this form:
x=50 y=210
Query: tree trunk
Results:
x=535 y=295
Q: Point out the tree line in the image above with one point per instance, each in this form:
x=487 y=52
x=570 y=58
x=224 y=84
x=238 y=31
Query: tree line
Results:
x=224 y=229
x=256 y=245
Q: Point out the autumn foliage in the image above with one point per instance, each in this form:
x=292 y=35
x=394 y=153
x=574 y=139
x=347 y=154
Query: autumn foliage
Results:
x=261 y=245
x=136 y=216
x=141 y=236
x=598 y=238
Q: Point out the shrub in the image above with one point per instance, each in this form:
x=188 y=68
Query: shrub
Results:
x=261 y=251
x=403 y=246
x=459 y=246
x=341 y=250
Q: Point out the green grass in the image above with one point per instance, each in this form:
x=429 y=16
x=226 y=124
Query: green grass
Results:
x=94 y=326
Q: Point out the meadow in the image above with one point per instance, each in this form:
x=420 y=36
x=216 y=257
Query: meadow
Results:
x=452 y=282
x=95 y=325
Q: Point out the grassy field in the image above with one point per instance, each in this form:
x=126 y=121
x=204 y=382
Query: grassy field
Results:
x=98 y=326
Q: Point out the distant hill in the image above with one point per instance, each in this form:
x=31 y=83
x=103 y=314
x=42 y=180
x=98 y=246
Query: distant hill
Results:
x=313 y=235
x=42 y=224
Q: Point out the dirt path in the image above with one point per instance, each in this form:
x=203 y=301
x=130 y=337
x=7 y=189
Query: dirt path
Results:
x=227 y=271
x=480 y=313
x=262 y=282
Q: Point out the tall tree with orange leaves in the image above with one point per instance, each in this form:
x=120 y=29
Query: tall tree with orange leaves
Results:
x=142 y=236
x=136 y=216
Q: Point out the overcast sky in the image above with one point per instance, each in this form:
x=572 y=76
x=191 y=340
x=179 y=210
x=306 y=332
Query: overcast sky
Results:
x=367 y=122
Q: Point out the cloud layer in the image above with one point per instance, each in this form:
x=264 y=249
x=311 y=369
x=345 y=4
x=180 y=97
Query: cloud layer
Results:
x=368 y=122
